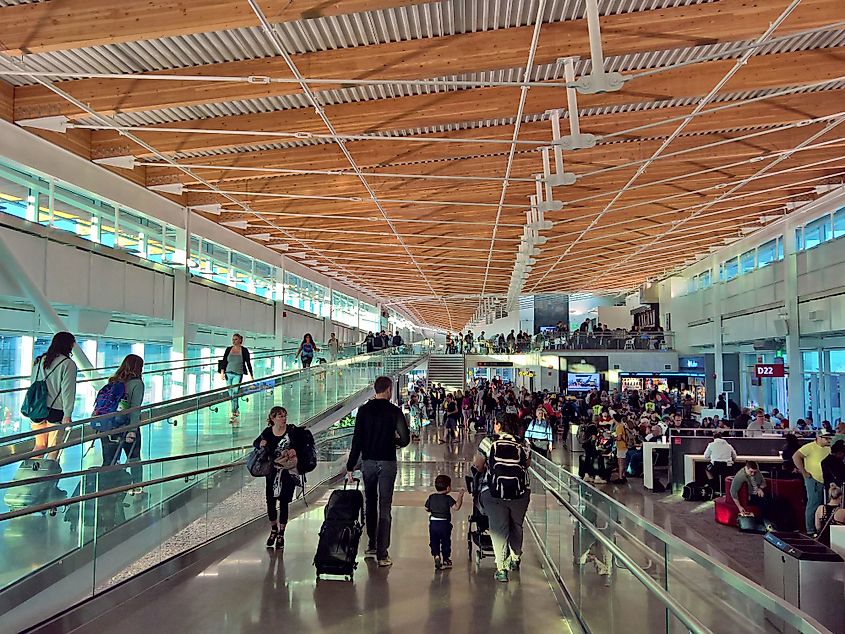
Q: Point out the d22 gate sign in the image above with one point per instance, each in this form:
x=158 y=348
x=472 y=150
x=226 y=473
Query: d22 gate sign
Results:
x=769 y=371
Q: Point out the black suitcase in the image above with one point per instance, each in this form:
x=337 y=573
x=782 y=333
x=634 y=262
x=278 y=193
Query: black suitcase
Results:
x=105 y=512
x=695 y=492
x=340 y=534
x=25 y=494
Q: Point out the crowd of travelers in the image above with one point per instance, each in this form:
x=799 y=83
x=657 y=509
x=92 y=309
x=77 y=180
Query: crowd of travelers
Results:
x=587 y=336
x=515 y=425
x=382 y=341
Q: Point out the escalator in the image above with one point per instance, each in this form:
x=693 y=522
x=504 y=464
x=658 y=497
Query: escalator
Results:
x=66 y=549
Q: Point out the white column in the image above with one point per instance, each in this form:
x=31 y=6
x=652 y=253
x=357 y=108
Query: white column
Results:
x=181 y=279
x=716 y=314
x=795 y=381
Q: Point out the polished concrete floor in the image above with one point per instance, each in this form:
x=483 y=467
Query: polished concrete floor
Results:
x=253 y=590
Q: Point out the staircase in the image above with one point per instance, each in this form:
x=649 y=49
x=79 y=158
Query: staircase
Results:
x=447 y=370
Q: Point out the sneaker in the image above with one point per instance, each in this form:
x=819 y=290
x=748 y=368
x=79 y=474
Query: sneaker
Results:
x=437 y=563
x=501 y=575
x=599 y=480
x=271 y=541
x=588 y=478
x=370 y=552
x=280 y=541
x=384 y=563
x=514 y=563
x=447 y=563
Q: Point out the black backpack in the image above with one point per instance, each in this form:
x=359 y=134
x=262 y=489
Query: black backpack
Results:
x=507 y=468
x=306 y=453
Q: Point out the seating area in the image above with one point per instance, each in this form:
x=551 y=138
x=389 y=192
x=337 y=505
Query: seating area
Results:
x=789 y=492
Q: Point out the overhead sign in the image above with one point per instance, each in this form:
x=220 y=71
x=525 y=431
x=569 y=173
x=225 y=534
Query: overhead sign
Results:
x=770 y=370
x=494 y=364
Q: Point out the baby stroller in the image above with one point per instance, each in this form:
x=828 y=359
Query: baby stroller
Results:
x=478 y=536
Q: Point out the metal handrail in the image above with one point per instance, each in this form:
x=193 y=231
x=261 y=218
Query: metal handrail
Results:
x=55 y=504
x=681 y=613
x=147 y=363
x=266 y=354
x=150 y=461
x=211 y=397
x=768 y=600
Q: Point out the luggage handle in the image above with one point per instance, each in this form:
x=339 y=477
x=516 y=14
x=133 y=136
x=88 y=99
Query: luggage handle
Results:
x=354 y=479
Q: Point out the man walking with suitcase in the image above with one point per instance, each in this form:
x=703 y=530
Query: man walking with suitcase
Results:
x=380 y=427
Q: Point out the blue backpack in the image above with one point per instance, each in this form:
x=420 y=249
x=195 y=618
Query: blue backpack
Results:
x=108 y=401
x=35 y=406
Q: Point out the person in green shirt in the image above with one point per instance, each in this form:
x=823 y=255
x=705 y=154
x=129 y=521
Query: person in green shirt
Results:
x=808 y=461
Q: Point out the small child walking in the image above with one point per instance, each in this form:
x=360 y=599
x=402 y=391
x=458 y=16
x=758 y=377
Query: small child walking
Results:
x=439 y=505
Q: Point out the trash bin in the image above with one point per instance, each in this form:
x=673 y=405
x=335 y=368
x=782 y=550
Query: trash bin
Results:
x=808 y=575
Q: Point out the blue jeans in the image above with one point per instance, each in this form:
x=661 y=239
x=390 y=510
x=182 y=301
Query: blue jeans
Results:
x=379 y=478
x=233 y=381
x=815 y=498
x=440 y=538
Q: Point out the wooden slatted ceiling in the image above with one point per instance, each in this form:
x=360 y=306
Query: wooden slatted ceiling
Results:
x=450 y=243
x=724 y=21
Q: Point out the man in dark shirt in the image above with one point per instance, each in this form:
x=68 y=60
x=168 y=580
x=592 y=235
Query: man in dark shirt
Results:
x=380 y=427
x=833 y=467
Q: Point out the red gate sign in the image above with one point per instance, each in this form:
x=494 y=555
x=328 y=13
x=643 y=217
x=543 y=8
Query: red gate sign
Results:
x=769 y=370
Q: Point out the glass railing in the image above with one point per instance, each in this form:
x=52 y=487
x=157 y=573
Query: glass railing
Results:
x=200 y=422
x=617 y=569
x=164 y=380
x=119 y=520
x=613 y=340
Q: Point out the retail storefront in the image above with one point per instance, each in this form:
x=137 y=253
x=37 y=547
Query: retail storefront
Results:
x=683 y=383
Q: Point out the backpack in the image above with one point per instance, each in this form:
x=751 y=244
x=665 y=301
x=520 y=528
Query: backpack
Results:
x=110 y=399
x=35 y=406
x=582 y=434
x=307 y=453
x=630 y=437
x=507 y=468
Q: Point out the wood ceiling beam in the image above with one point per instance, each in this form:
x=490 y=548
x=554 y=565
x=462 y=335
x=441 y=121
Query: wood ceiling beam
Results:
x=709 y=23
x=770 y=71
x=60 y=25
x=526 y=164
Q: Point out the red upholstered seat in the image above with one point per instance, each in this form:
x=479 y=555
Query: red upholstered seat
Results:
x=726 y=510
x=789 y=491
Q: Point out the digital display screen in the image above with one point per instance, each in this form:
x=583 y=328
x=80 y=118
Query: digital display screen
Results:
x=582 y=382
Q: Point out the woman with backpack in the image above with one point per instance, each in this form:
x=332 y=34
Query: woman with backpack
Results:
x=58 y=371
x=235 y=363
x=127 y=387
x=291 y=449
x=539 y=433
x=503 y=460
x=306 y=350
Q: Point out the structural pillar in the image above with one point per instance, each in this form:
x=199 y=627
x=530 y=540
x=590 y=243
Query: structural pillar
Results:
x=181 y=280
x=17 y=275
x=716 y=315
x=795 y=380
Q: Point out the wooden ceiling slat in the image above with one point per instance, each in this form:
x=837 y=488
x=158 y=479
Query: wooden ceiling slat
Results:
x=769 y=71
x=60 y=25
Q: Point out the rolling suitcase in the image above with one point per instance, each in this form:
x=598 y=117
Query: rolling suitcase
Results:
x=28 y=494
x=105 y=512
x=340 y=534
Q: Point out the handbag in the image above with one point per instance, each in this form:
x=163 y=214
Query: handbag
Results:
x=259 y=464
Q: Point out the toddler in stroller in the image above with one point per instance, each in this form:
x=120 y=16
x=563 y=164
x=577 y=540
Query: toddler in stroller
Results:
x=478 y=536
